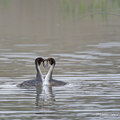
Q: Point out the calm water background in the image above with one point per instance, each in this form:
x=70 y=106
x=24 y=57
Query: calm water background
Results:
x=86 y=49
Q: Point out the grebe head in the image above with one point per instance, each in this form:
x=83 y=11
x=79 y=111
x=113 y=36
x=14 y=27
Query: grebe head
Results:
x=39 y=60
x=49 y=61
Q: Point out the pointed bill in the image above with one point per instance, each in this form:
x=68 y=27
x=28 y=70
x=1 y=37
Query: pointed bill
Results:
x=45 y=63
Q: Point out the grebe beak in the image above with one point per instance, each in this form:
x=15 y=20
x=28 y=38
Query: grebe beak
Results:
x=45 y=63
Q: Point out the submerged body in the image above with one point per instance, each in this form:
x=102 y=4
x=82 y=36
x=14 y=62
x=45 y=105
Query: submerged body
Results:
x=30 y=83
x=48 y=79
x=39 y=77
x=57 y=83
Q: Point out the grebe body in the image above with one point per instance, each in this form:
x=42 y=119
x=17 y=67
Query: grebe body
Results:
x=39 y=77
x=48 y=79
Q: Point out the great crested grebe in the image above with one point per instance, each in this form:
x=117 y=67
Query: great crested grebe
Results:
x=39 y=77
x=48 y=79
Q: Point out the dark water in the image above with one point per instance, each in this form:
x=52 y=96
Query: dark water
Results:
x=86 y=52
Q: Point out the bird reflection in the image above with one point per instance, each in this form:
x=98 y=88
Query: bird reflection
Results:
x=44 y=99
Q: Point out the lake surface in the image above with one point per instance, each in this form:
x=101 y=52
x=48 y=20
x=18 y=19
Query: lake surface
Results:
x=87 y=54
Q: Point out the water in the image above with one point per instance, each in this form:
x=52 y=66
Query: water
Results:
x=87 y=56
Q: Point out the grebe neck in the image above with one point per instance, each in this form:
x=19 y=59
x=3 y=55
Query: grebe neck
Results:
x=48 y=77
x=39 y=73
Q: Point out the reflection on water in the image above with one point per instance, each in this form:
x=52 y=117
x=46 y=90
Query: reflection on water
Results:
x=86 y=53
x=44 y=100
